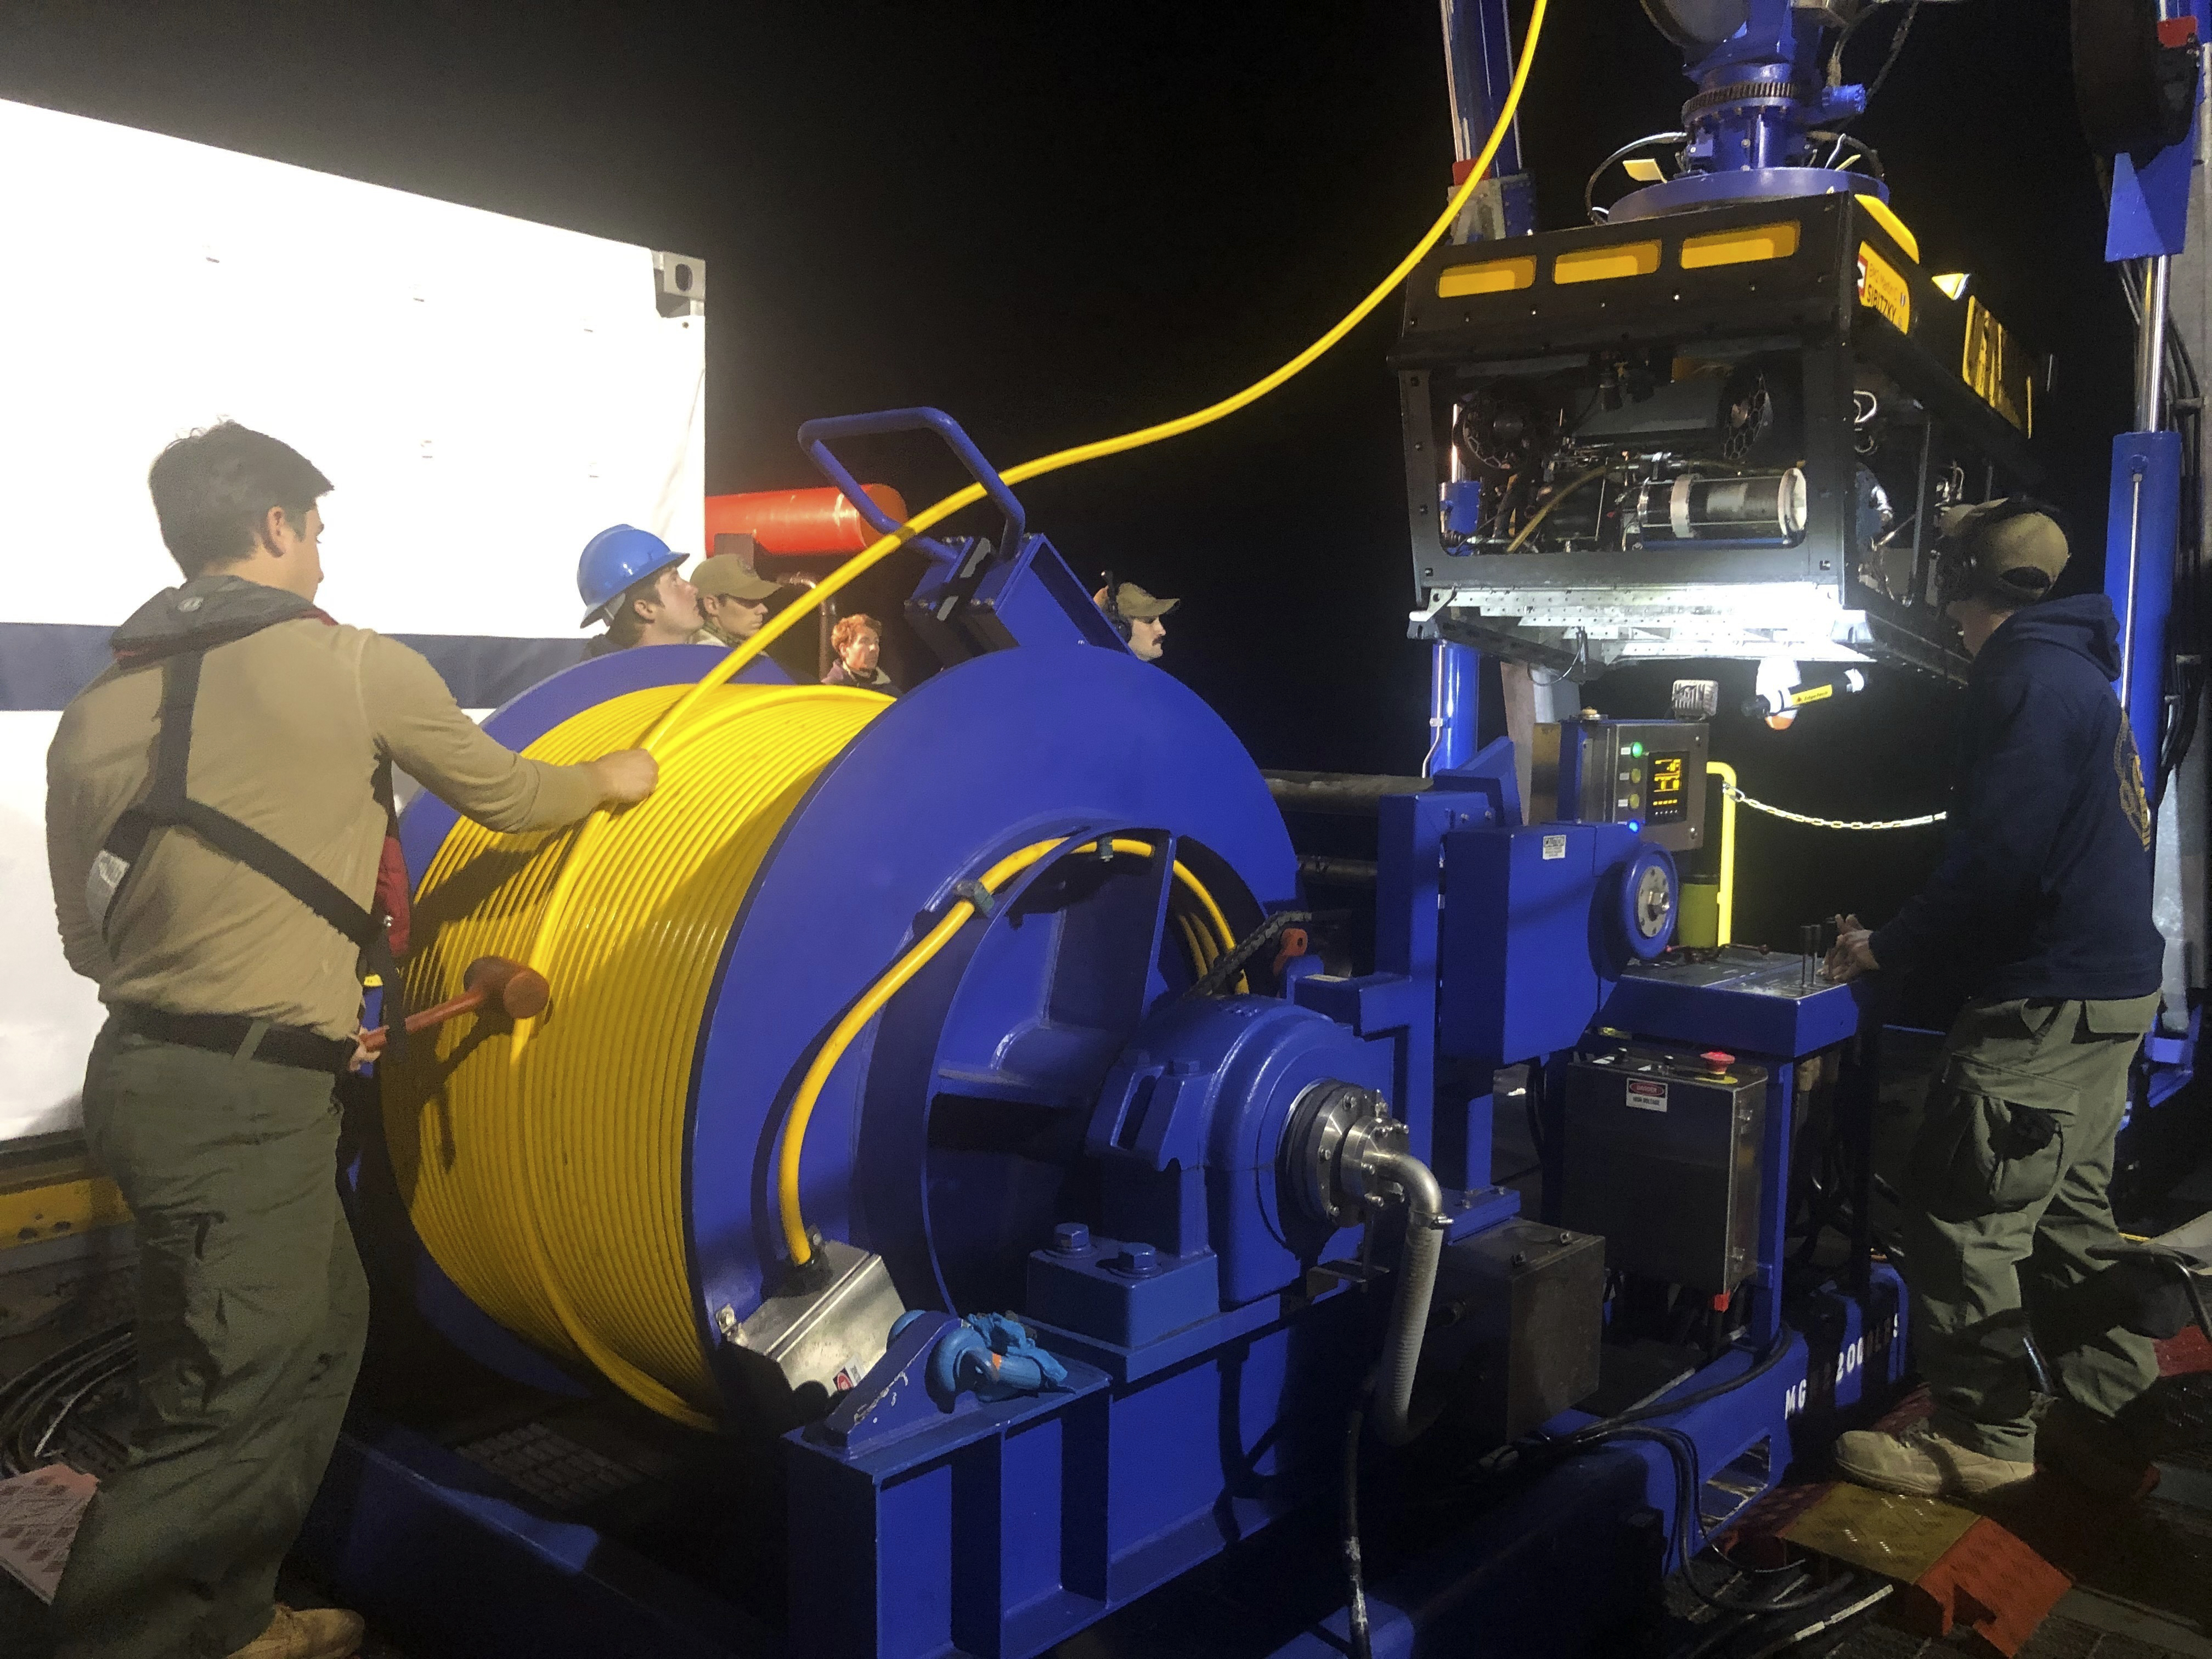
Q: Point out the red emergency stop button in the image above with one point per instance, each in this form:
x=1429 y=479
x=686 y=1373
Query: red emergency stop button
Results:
x=1716 y=1061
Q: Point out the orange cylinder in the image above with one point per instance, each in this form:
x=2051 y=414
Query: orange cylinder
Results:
x=799 y=521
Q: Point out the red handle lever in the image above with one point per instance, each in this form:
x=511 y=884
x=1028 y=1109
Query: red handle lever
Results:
x=518 y=992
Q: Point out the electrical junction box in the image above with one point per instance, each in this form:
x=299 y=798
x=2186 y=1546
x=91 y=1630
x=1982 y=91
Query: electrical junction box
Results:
x=1660 y=1153
x=1648 y=774
x=1514 y=1328
x=1524 y=954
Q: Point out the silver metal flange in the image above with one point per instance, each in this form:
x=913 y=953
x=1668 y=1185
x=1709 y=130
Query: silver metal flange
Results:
x=1654 y=902
x=1337 y=1133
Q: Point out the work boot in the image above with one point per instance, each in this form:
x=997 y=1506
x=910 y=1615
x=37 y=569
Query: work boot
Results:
x=2092 y=1452
x=1922 y=1463
x=317 y=1633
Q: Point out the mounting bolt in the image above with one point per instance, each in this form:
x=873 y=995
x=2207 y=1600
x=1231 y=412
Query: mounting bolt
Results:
x=1071 y=1238
x=1136 y=1261
x=726 y=1322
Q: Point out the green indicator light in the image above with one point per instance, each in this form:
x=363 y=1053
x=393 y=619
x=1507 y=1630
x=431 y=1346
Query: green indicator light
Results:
x=1635 y=748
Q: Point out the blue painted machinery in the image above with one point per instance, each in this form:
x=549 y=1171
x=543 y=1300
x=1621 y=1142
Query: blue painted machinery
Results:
x=1150 y=1239
x=1127 y=1251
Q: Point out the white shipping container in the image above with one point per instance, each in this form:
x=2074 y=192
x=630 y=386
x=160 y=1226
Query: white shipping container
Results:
x=483 y=393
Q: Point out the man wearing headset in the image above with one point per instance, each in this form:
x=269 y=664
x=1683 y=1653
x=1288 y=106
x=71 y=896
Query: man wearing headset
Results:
x=2043 y=897
x=1136 y=616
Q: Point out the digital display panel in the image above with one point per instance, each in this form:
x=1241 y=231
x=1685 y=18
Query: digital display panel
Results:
x=1668 y=805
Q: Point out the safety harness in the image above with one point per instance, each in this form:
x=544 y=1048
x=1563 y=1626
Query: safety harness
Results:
x=167 y=805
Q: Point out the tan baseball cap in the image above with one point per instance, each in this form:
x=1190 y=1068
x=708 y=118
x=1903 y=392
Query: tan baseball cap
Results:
x=1137 y=605
x=2015 y=550
x=725 y=577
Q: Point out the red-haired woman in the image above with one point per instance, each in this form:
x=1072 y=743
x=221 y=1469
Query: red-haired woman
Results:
x=858 y=641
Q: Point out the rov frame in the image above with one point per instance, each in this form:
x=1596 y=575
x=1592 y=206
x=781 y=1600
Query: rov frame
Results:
x=1950 y=379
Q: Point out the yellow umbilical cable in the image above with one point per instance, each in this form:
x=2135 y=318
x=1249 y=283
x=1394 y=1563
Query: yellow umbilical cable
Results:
x=937 y=511
x=883 y=546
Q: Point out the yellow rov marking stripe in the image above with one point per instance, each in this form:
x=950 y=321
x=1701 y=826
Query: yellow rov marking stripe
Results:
x=55 y=1208
x=1885 y=216
x=1740 y=247
x=2002 y=374
x=1490 y=277
x=1604 y=264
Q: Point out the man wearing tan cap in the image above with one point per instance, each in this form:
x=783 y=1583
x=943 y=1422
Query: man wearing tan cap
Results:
x=732 y=598
x=1136 y=616
x=2043 y=897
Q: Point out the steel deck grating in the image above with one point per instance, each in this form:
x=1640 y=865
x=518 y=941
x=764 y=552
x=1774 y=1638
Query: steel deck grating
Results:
x=550 y=1468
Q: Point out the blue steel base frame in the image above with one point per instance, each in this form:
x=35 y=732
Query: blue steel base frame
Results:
x=989 y=1534
x=1559 y=1564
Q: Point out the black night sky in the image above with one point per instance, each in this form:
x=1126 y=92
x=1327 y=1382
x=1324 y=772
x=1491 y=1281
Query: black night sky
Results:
x=1061 y=222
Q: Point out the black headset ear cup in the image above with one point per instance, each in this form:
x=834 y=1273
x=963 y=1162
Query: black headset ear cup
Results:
x=1113 y=609
x=1958 y=569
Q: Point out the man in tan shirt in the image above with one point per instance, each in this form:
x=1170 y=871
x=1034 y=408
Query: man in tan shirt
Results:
x=214 y=859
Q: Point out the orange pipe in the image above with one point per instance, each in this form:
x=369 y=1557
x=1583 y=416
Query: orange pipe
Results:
x=799 y=521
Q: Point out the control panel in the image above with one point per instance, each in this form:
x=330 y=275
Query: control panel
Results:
x=1648 y=774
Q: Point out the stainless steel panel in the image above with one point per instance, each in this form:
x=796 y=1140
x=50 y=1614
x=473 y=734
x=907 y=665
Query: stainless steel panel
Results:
x=1660 y=1154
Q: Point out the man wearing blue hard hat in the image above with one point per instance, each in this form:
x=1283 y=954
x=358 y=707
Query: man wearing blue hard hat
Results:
x=631 y=581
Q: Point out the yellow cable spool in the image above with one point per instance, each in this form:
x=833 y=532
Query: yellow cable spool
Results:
x=579 y=1161
x=552 y=1192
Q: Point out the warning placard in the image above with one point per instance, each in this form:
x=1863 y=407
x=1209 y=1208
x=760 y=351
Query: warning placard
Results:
x=1647 y=1094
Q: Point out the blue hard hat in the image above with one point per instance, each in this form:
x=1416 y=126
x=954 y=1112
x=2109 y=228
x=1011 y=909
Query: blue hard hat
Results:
x=613 y=561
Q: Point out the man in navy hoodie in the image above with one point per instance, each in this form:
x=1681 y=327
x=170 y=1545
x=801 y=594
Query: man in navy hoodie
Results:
x=2044 y=898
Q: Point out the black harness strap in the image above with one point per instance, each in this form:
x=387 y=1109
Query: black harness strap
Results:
x=166 y=804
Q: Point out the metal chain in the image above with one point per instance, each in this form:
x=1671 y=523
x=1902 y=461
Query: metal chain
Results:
x=1738 y=795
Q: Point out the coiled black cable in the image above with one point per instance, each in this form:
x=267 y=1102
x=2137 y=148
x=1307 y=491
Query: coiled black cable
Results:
x=37 y=1404
x=1222 y=974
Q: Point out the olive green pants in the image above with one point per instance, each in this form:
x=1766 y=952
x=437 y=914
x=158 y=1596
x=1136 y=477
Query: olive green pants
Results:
x=251 y=1311
x=2006 y=1195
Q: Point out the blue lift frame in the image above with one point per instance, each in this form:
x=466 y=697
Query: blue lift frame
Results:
x=2148 y=220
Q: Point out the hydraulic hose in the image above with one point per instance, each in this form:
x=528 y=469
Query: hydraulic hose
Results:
x=1426 y=1223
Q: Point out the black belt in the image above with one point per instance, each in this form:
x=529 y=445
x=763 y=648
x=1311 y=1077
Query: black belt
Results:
x=228 y=1034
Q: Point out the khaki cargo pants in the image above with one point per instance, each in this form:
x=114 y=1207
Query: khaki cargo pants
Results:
x=2006 y=1194
x=251 y=1311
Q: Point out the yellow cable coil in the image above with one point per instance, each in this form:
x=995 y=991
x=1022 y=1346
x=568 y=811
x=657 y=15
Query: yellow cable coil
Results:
x=522 y=905
x=552 y=1192
x=659 y=737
